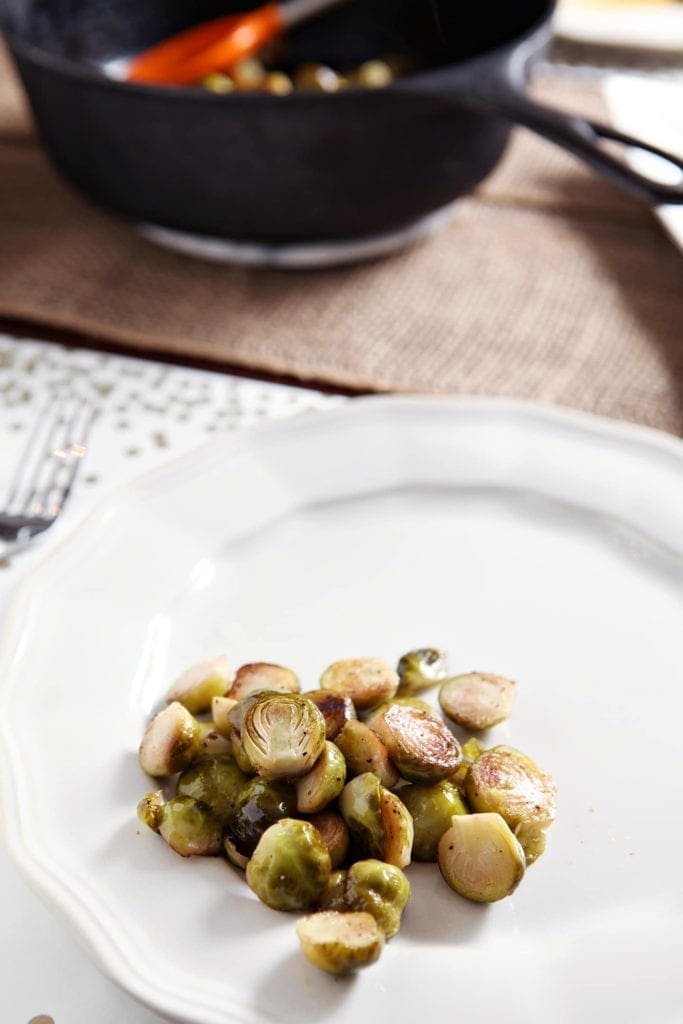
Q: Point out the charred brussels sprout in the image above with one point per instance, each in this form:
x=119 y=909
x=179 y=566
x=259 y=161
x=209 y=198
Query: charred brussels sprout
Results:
x=172 y=740
x=259 y=805
x=419 y=670
x=216 y=782
x=380 y=825
x=420 y=746
x=340 y=943
x=365 y=752
x=335 y=709
x=477 y=700
x=367 y=681
x=281 y=734
x=480 y=858
x=290 y=867
x=261 y=675
x=190 y=828
x=431 y=808
x=509 y=783
x=197 y=686
x=335 y=835
x=323 y=783
x=379 y=889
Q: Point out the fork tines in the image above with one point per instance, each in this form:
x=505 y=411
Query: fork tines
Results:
x=48 y=466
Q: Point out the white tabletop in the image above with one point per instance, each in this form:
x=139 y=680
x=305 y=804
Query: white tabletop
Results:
x=148 y=413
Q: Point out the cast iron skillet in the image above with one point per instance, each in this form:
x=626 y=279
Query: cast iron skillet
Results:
x=305 y=167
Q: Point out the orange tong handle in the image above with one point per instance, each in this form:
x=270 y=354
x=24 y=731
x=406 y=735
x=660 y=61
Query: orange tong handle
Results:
x=212 y=46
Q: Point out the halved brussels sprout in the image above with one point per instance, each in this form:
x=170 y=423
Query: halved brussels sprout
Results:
x=190 y=828
x=334 y=893
x=477 y=700
x=325 y=781
x=261 y=675
x=365 y=752
x=367 y=681
x=432 y=809
x=419 y=670
x=281 y=734
x=151 y=810
x=336 y=710
x=220 y=715
x=172 y=740
x=397 y=824
x=472 y=749
x=213 y=743
x=340 y=943
x=359 y=805
x=379 y=824
x=480 y=858
x=379 y=889
x=290 y=867
x=421 y=747
x=216 y=782
x=197 y=686
x=260 y=803
x=511 y=784
x=335 y=834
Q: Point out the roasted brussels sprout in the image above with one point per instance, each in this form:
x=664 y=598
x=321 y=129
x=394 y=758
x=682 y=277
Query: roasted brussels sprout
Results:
x=367 y=681
x=477 y=700
x=335 y=834
x=260 y=803
x=197 y=686
x=325 y=781
x=381 y=890
x=379 y=824
x=282 y=735
x=233 y=854
x=248 y=73
x=218 y=82
x=419 y=670
x=431 y=808
x=472 y=749
x=151 y=810
x=359 y=805
x=365 y=752
x=480 y=858
x=336 y=710
x=421 y=746
x=263 y=676
x=397 y=824
x=278 y=83
x=340 y=943
x=220 y=715
x=508 y=782
x=334 y=893
x=212 y=742
x=290 y=867
x=171 y=741
x=317 y=78
x=373 y=74
x=190 y=828
x=216 y=782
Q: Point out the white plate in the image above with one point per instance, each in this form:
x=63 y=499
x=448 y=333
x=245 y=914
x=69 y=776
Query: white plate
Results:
x=646 y=26
x=544 y=545
x=653 y=111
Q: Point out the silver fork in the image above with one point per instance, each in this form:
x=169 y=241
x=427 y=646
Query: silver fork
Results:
x=46 y=470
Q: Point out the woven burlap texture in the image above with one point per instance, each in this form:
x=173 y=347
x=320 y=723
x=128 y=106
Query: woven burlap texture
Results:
x=549 y=284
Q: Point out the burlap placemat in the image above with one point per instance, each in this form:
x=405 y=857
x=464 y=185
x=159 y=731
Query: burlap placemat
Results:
x=549 y=285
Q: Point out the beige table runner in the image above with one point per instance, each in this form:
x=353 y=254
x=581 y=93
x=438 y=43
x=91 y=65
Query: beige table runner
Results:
x=549 y=284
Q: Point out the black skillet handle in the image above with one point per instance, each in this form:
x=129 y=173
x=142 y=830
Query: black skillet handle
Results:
x=585 y=139
x=495 y=85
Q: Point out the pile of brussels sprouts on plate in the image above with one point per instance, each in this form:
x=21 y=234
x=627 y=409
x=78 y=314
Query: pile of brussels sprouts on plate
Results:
x=323 y=798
